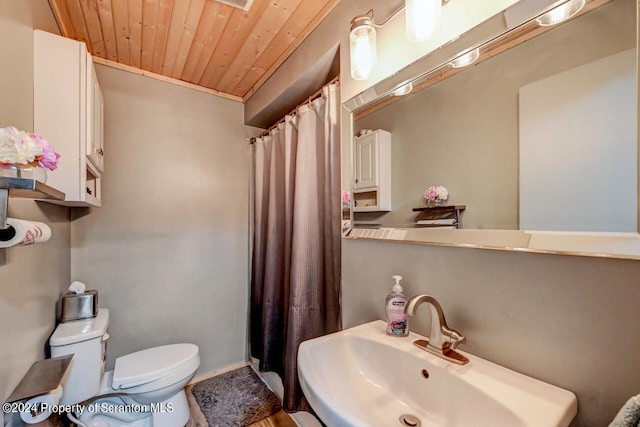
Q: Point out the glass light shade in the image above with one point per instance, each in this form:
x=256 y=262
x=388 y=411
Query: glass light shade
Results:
x=561 y=13
x=465 y=59
x=363 y=49
x=403 y=90
x=423 y=18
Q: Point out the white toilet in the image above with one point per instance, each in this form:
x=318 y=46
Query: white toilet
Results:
x=145 y=388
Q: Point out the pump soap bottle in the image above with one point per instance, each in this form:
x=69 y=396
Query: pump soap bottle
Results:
x=394 y=306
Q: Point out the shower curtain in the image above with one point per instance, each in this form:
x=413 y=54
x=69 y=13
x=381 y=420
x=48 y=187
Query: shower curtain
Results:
x=295 y=283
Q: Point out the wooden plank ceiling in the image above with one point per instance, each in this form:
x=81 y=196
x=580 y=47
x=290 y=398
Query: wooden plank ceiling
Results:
x=203 y=42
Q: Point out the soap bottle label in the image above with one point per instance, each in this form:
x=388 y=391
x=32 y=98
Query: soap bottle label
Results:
x=397 y=324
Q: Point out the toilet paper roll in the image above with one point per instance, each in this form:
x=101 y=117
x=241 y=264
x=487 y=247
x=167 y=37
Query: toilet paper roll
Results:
x=26 y=233
x=41 y=407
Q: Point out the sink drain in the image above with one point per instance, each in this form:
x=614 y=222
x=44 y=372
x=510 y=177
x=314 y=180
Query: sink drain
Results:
x=409 y=420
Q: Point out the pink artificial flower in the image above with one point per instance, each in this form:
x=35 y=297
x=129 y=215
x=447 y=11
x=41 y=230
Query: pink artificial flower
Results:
x=49 y=158
x=431 y=193
x=38 y=139
x=346 y=197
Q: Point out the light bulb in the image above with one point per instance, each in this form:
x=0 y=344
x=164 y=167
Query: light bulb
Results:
x=423 y=18
x=465 y=59
x=403 y=90
x=561 y=13
x=362 y=48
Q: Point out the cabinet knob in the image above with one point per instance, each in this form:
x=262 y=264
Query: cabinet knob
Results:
x=100 y=151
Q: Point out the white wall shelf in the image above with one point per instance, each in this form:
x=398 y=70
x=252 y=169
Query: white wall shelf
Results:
x=439 y=216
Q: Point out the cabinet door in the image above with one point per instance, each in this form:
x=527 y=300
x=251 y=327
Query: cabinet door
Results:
x=366 y=162
x=95 y=107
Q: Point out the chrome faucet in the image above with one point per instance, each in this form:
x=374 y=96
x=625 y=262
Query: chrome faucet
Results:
x=442 y=340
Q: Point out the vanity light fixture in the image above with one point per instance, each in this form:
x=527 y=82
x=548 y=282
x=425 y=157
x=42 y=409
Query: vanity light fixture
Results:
x=423 y=18
x=560 y=13
x=403 y=90
x=362 y=45
x=465 y=59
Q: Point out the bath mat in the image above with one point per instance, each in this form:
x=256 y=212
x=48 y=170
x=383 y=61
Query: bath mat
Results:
x=234 y=399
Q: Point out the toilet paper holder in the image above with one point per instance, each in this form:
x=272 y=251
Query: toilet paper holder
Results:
x=4 y=202
x=43 y=377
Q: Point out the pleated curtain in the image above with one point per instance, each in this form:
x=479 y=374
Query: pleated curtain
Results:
x=295 y=283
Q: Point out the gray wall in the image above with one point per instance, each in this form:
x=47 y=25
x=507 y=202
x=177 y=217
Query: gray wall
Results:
x=31 y=277
x=168 y=249
x=463 y=132
x=569 y=321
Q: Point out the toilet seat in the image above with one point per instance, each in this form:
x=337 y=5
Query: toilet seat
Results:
x=152 y=364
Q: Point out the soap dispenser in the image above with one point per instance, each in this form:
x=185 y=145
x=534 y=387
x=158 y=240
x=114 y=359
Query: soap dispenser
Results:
x=395 y=304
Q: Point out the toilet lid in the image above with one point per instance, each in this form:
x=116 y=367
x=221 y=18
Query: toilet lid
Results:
x=151 y=364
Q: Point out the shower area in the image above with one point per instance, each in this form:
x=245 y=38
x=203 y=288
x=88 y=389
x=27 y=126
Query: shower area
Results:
x=295 y=236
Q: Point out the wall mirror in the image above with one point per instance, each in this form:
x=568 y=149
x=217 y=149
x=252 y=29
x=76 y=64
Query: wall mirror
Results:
x=536 y=140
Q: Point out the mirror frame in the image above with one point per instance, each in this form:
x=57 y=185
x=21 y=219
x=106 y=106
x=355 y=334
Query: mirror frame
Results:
x=493 y=36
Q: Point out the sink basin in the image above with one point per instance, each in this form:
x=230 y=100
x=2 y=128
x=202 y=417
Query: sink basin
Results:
x=362 y=377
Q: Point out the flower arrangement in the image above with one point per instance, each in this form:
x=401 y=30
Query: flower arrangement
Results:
x=436 y=193
x=346 y=198
x=18 y=147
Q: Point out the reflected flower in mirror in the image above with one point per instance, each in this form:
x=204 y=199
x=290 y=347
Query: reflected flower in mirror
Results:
x=346 y=198
x=436 y=195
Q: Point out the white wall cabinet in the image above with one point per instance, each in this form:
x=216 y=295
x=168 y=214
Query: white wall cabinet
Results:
x=68 y=112
x=372 y=181
x=95 y=149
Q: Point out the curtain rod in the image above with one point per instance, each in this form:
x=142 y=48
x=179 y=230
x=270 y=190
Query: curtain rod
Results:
x=309 y=99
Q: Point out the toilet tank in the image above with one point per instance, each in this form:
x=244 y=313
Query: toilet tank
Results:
x=87 y=340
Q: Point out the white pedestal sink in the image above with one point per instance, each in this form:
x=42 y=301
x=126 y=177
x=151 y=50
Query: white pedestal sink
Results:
x=362 y=377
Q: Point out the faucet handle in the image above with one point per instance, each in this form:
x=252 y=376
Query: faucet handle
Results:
x=455 y=339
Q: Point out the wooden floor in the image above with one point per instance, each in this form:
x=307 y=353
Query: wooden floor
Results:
x=279 y=419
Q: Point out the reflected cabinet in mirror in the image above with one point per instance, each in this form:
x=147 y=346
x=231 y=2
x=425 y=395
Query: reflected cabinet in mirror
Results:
x=538 y=134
